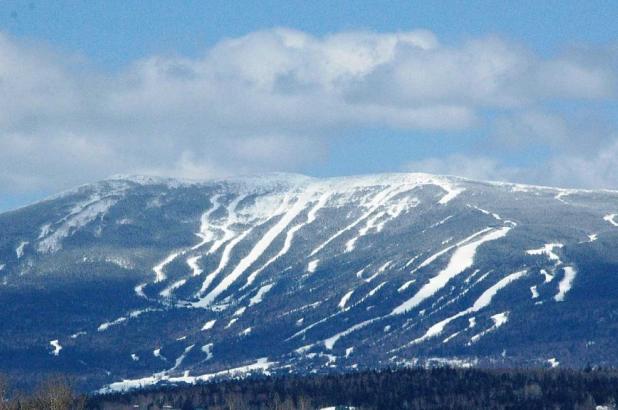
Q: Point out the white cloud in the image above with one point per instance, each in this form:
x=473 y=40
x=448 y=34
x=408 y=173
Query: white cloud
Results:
x=473 y=167
x=599 y=170
x=270 y=100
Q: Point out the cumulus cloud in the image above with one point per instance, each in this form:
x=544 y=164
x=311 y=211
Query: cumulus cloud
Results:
x=272 y=100
x=599 y=170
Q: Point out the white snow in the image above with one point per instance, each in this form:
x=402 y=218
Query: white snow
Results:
x=57 y=347
x=450 y=195
x=379 y=219
x=482 y=302
x=611 y=219
x=205 y=232
x=44 y=231
x=435 y=256
x=207 y=349
x=167 y=292
x=259 y=296
x=498 y=319
x=441 y=222
x=380 y=270
x=406 y=285
x=231 y=219
x=462 y=259
x=565 y=284
x=259 y=248
x=376 y=289
x=312 y=265
x=330 y=342
x=344 y=300
x=547 y=276
x=548 y=250
x=240 y=311
x=104 y=326
x=82 y=214
x=139 y=290
x=225 y=257
x=181 y=358
x=292 y=231
x=411 y=261
x=261 y=365
x=195 y=268
x=376 y=202
x=209 y=324
x=78 y=334
x=19 y=251
x=158 y=269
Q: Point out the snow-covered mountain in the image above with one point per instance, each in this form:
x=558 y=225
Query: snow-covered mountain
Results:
x=134 y=281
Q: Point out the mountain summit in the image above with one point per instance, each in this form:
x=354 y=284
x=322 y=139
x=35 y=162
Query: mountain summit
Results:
x=135 y=281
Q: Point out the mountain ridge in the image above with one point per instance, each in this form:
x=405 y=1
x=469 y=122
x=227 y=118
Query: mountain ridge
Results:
x=135 y=281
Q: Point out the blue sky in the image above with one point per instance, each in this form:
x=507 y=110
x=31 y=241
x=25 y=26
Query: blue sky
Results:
x=522 y=91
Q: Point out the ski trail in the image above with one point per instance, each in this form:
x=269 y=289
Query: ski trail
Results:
x=462 y=259
x=378 y=200
x=167 y=292
x=564 y=286
x=344 y=300
x=482 y=302
x=205 y=233
x=160 y=275
x=195 y=268
x=435 y=256
x=225 y=257
x=289 y=238
x=259 y=248
x=229 y=221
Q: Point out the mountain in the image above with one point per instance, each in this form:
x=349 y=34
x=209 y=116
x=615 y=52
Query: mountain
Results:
x=135 y=281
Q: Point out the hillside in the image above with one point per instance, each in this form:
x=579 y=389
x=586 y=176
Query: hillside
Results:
x=137 y=281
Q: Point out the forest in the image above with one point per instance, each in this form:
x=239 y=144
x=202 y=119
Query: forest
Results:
x=414 y=388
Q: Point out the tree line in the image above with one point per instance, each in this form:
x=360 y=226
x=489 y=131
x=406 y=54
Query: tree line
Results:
x=416 y=388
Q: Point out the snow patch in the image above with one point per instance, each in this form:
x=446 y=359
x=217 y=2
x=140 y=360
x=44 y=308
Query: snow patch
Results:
x=462 y=259
x=19 y=251
x=81 y=215
x=261 y=365
x=564 y=286
x=344 y=300
x=498 y=319
x=207 y=349
x=57 y=347
x=547 y=250
x=312 y=265
x=259 y=296
x=482 y=302
x=209 y=325
x=611 y=219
